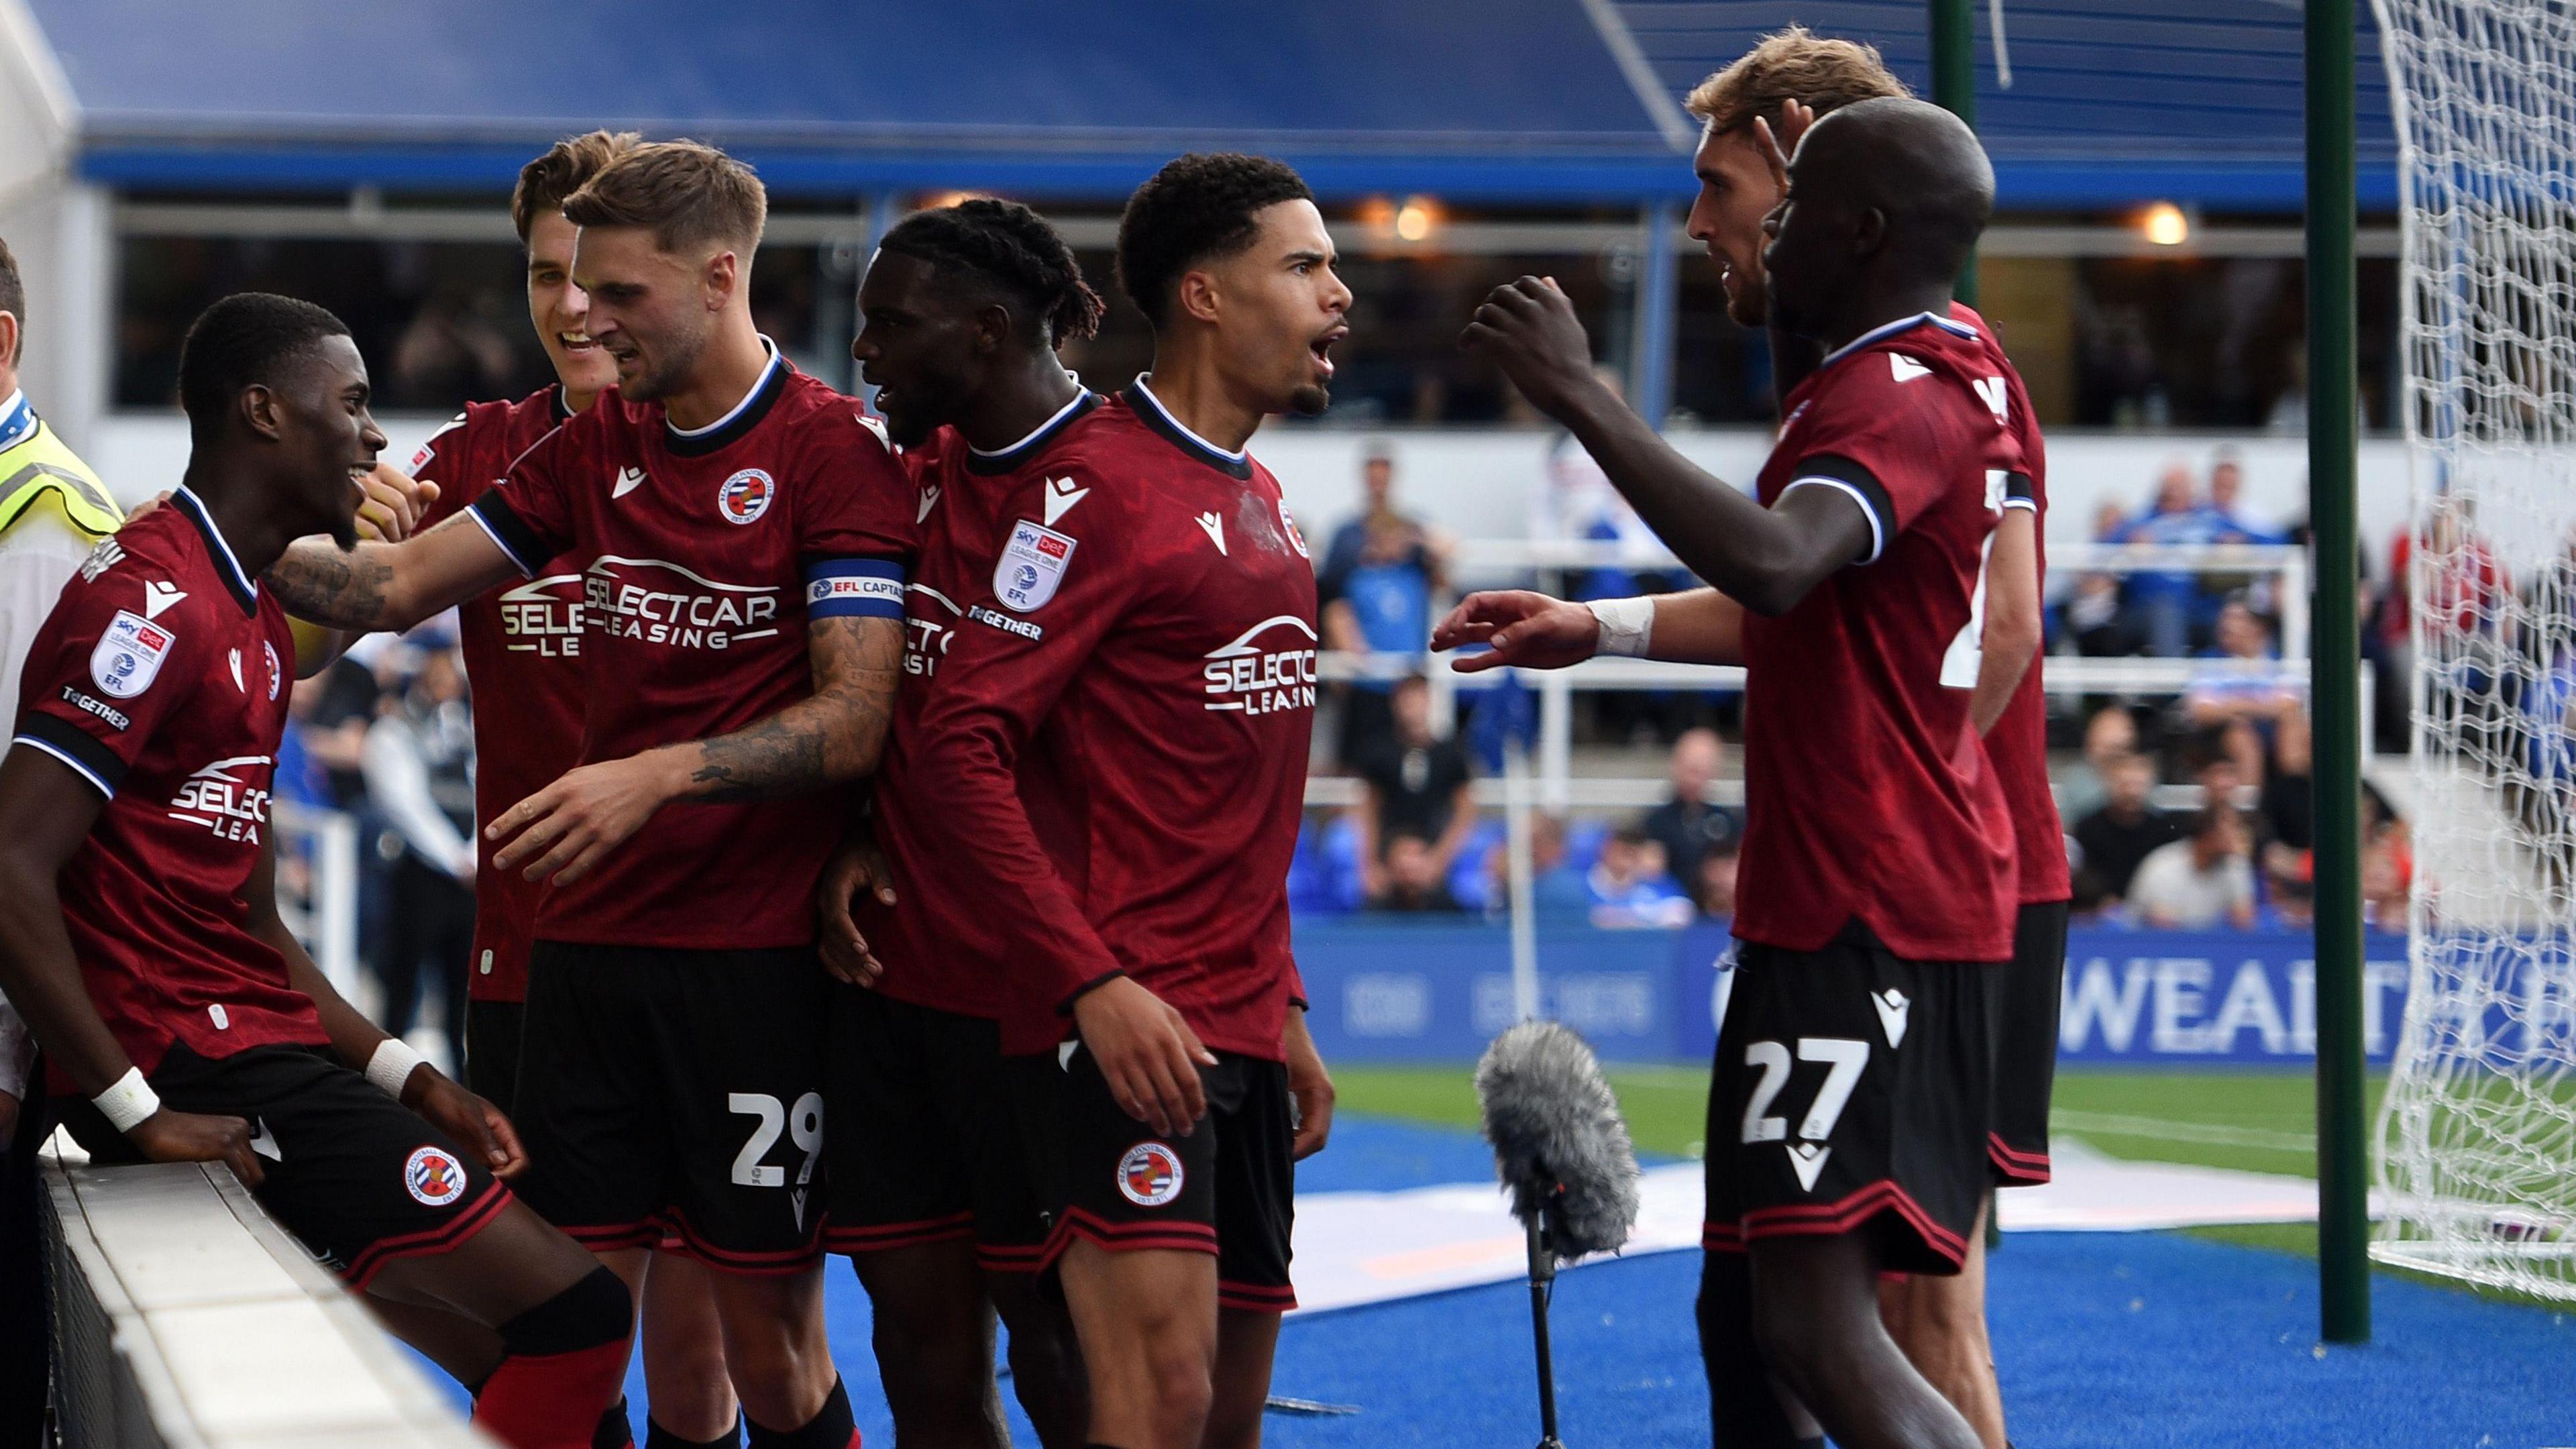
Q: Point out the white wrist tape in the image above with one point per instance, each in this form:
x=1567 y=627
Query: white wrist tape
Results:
x=126 y=1104
x=1627 y=625
x=391 y=1066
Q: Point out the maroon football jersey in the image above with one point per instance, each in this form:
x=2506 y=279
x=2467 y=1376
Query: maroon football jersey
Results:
x=522 y=645
x=935 y=944
x=704 y=554
x=1867 y=794
x=2018 y=744
x=1117 y=746
x=161 y=677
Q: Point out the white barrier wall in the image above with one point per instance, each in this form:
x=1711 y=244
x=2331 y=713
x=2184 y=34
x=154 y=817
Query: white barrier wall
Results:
x=1479 y=482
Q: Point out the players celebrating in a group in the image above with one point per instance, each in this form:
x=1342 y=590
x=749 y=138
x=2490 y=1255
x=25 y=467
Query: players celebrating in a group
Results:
x=961 y=313
x=522 y=648
x=1117 y=744
x=138 y=929
x=1879 y=860
x=743 y=537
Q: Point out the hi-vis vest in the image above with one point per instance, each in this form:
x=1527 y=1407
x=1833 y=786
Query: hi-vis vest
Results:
x=36 y=466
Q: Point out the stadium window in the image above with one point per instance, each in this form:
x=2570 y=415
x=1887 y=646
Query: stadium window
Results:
x=2214 y=342
x=441 y=323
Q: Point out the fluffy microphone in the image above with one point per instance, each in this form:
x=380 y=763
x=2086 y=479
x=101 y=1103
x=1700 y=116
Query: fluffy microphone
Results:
x=1560 y=1144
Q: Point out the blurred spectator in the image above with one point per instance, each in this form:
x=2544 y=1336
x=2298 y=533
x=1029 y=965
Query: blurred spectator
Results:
x=418 y=761
x=1413 y=784
x=334 y=728
x=2387 y=874
x=1557 y=884
x=1412 y=882
x=453 y=349
x=1630 y=887
x=2201 y=882
x=1715 y=880
x=2288 y=804
x=2123 y=833
x=1687 y=826
x=2162 y=603
x=2110 y=734
x=2090 y=620
x=1374 y=588
x=2243 y=687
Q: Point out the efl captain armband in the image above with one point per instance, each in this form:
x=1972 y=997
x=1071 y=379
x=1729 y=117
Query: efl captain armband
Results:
x=854 y=588
x=129 y=1103
x=1627 y=625
x=391 y=1066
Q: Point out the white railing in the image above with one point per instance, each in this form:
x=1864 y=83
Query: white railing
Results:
x=325 y=916
x=1559 y=789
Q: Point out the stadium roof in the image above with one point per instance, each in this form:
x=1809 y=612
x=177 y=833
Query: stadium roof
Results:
x=2112 y=102
x=1557 y=101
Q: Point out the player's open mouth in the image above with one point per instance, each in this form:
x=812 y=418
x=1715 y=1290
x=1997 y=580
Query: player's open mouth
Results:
x=1322 y=347
x=576 y=344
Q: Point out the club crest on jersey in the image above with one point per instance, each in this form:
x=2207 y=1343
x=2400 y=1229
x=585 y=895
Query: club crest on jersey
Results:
x=746 y=495
x=1296 y=540
x=434 y=1177
x=1150 y=1174
x=276 y=676
x=129 y=655
x=1031 y=566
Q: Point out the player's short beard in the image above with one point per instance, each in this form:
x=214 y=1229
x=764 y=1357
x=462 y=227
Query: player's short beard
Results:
x=1309 y=400
x=677 y=359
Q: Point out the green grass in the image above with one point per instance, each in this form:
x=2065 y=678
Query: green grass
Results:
x=2255 y=1121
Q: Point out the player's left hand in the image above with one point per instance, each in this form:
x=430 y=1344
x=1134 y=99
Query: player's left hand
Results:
x=394 y=504
x=1529 y=330
x=857 y=866
x=564 y=829
x=1310 y=1086
x=476 y=1124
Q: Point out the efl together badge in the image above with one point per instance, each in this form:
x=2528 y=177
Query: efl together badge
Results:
x=1150 y=1174
x=1031 y=566
x=129 y=655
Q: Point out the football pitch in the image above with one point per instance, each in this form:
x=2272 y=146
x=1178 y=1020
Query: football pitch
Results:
x=2253 y=1121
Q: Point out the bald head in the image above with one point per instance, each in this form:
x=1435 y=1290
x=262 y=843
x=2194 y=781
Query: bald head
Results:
x=1895 y=193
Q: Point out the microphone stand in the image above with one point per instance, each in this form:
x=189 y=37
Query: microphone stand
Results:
x=1542 y=1281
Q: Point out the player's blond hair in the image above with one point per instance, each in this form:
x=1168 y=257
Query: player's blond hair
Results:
x=1795 y=64
x=567 y=166
x=691 y=196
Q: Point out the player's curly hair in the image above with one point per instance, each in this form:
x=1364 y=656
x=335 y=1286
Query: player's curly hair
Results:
x=1198 y=207
x=1013 y=249
x=239 y=343
x=1795 y=64
x=566 y=168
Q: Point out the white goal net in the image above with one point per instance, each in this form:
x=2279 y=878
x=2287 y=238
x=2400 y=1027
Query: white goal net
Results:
x=2477 y=1134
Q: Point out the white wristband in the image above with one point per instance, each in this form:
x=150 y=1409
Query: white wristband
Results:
x=1627 y=625
x=391 y=1066
x=126 y=1104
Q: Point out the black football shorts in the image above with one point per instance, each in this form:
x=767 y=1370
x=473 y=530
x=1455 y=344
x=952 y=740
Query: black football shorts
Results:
x=492 y=1051
x=1851 y=1094
x=1228 y=1188
x=358 y=1177
x=680 y=1091
x=2026 y=1045
x=925 y=1141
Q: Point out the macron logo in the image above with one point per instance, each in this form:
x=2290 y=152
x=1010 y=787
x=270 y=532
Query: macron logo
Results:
x=1061 y=495
x=1215 y=527
x=628 y=480
x=929 y=500
x=158 y=596
x=1906 y=368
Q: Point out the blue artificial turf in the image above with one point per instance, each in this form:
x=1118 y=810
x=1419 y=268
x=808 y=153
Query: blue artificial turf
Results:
x=2105 y=1341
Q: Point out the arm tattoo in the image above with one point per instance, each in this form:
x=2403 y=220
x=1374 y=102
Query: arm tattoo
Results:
x=836 y=735
x=320 y=584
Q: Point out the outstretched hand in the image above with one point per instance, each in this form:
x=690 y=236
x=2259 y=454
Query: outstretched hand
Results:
x=1519 y=628
x=1529 y=330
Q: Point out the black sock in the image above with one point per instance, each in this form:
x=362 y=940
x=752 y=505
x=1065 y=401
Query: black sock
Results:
x=830 y=1428
x=614 y=1432
x=657 y=1437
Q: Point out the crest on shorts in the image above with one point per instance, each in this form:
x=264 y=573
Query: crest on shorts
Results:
x=129 y=654
x=434 y=1177
x=746 y=495
x=1031 y=566
x=1150 y=1174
